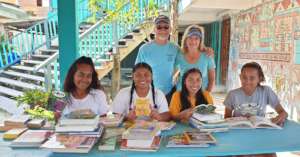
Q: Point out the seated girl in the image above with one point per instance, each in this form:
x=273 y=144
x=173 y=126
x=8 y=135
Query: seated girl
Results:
x=84 y=89
x=190 y=96
x=142 y=99
x=252 y=92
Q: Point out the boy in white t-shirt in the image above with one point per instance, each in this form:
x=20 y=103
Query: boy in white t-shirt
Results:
x=141 y=99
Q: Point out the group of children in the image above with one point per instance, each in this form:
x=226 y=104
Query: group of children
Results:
x=85 y=92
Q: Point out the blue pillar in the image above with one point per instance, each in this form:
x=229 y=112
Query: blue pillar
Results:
x=68 y=36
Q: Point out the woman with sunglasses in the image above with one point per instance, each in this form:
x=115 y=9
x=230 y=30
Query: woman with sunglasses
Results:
x=193 y=56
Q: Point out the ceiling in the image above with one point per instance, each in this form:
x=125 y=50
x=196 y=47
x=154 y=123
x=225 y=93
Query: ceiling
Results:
x=207 y=11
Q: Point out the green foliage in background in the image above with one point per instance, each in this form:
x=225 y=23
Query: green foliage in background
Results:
x=96 y=8
x=38 y=102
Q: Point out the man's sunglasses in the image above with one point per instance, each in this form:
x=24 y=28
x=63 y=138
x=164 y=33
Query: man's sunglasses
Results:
x=162 y=27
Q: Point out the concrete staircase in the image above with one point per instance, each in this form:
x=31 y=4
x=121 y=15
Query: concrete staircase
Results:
x=18 y=78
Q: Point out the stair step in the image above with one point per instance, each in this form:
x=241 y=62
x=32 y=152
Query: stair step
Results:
x=25 y=68
x=129 y=37
x=10 y=105
x=122 y=42
x=27 y=76
x=32 y=61
x=29 y=69
x=10 y=92
x=40 y=56
x=136 y=31
x=20 y=83
x=47 y=51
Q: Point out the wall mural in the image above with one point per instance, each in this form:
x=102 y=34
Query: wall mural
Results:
x=270 y=35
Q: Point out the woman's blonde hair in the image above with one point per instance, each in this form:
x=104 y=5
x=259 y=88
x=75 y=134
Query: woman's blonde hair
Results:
x=185 y=36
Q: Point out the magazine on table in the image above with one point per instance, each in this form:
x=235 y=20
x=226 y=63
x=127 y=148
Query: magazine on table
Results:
x=191 y=139
x=251 y=122
x=63 y=143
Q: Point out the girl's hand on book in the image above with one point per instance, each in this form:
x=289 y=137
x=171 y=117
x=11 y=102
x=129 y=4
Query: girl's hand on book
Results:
x=280 y=119
x=155 y=115
x=131 y=115
x=186 y=114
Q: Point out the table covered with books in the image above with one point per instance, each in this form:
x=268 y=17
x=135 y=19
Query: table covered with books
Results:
x=233 y=142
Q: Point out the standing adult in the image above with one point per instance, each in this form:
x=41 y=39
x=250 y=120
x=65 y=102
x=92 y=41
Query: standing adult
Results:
x=160 y=54
x=193 y=56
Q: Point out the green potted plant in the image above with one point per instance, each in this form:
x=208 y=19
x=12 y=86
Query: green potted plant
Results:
x=38 y=104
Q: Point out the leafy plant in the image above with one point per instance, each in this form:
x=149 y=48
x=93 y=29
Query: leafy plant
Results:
x=38 y=104
x=40 y=112
x=34 y=98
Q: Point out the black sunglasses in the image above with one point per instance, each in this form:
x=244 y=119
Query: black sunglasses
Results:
x=162 y=27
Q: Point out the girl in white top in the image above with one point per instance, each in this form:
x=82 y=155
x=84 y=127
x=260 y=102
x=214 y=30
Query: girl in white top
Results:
x=141 y=99
x=84 y=88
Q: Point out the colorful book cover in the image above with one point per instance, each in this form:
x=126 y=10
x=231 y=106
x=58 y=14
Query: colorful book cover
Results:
x=142 y=107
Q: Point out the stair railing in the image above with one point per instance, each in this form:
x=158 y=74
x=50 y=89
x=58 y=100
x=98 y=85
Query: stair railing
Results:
x=105 y=34
x=23 y=44
x=46 y=65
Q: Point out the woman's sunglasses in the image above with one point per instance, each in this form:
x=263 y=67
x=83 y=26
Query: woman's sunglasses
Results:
x=162 y=27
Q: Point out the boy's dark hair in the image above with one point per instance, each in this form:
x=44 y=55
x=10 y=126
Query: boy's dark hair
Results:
x=138 y=66
x=256 y=66
x=200 y=99
x=69 y=85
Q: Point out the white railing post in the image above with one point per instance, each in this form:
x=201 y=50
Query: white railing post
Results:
x=47 y=35
x=48 y=79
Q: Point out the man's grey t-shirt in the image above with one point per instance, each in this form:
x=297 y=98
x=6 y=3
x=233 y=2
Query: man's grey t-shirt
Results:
x=261 y=97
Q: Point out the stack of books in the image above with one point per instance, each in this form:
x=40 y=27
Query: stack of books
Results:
x=210 y=122
x=165 y=126
x=70 y=143
x=75 y=135
x=142 y=136
x=108 y=144
x=13 y=133
x=36 y=123
x=110 y=138
x=31 y=138
x=19 y=121
x=112 y=120
x=191 y=139
x=68 y=125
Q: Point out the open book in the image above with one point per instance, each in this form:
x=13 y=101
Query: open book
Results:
x=251 y=122
x=191 y=139
x=204 y=108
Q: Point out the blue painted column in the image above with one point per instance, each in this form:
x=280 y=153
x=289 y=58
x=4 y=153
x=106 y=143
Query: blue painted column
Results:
x=68 y=36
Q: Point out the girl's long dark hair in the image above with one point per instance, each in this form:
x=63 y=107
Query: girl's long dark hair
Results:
x=148 y=67
x=200 y=99
x=69 y=85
